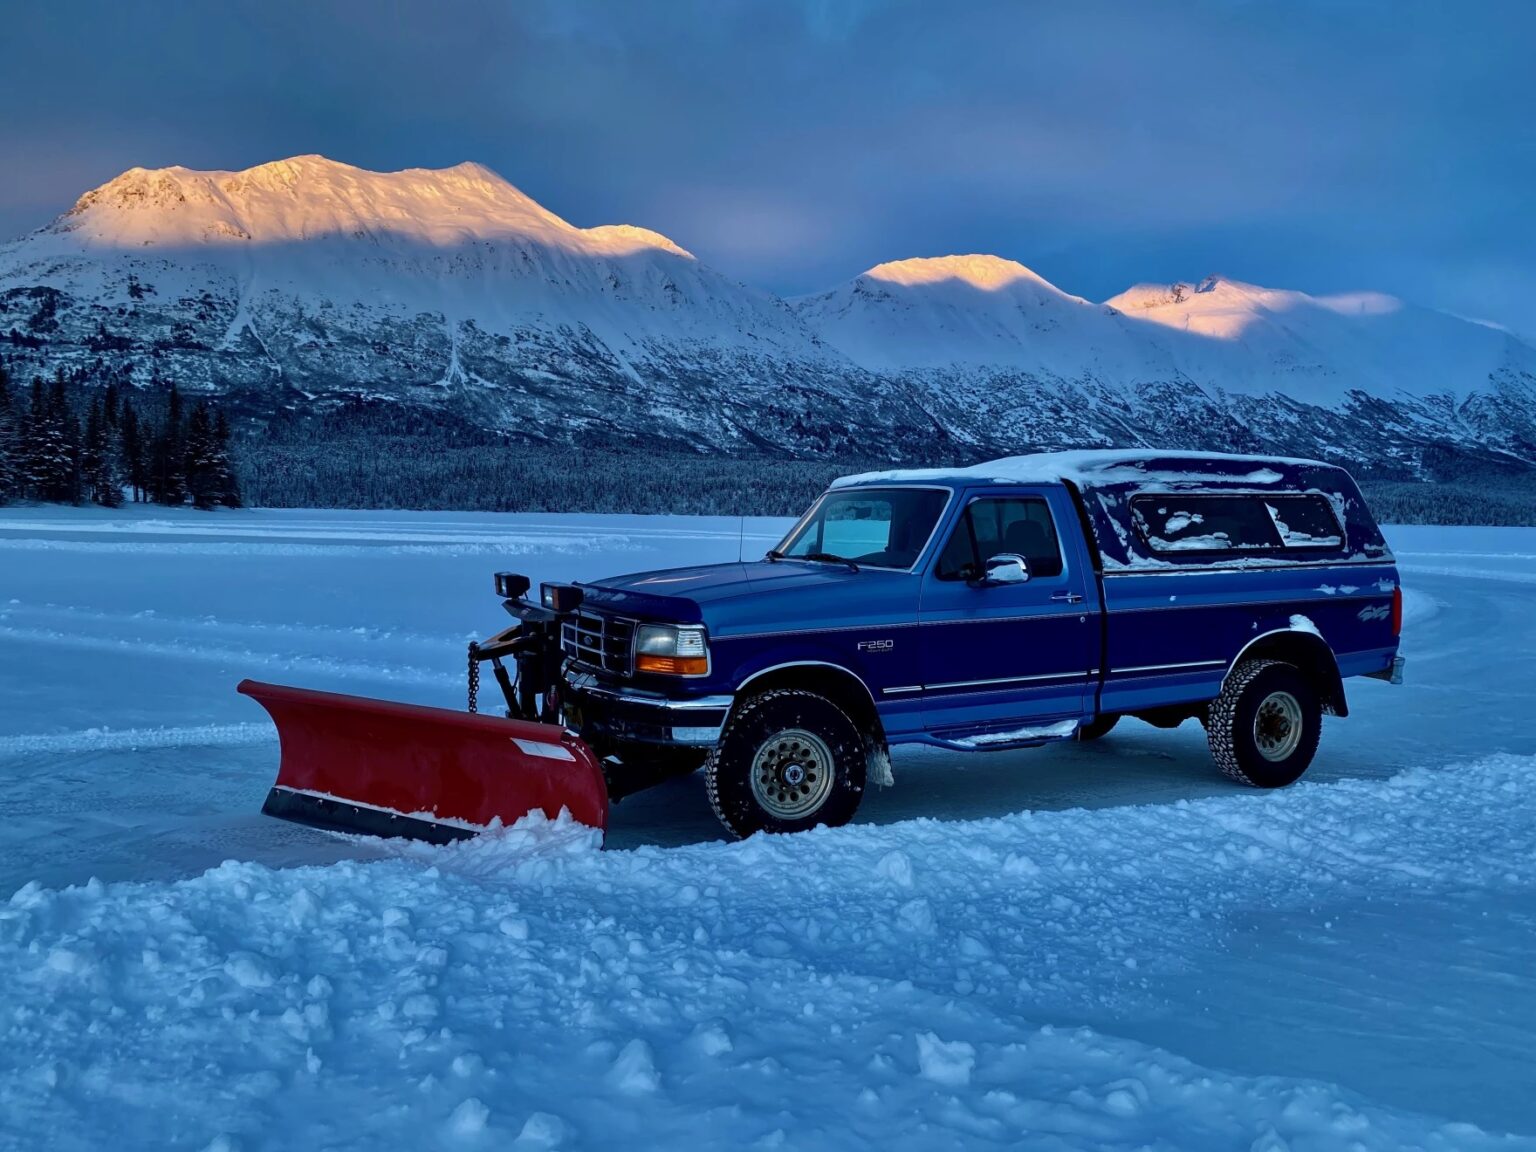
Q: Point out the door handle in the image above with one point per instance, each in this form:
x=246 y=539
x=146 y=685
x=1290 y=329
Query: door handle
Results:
x=1067 y=597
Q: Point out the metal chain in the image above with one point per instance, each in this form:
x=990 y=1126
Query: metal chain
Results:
x=474 y=678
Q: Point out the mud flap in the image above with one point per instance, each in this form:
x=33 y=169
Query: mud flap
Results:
x=353 y=764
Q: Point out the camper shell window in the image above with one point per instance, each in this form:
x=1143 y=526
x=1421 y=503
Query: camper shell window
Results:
x=1305 y=521
x=1206 y=522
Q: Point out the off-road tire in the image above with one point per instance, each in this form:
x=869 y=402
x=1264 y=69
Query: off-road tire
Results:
x=1230 y=726
x=1099 y=726
x=751 y=728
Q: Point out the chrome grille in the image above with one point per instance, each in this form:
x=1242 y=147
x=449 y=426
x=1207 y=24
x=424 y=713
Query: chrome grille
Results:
x=600 y=642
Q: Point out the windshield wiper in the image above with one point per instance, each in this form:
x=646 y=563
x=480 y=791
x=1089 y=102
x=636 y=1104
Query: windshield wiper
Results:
x=829 y=558
x=774 y=555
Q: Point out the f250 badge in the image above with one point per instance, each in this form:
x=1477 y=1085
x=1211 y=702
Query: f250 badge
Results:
x=876 y=645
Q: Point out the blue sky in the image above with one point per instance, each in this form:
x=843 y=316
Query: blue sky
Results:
x=1326 y=146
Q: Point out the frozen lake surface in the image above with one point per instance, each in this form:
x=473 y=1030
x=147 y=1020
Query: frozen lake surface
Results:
x=1084 y=946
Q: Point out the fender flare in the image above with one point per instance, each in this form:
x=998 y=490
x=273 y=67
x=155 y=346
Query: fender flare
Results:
x=842 y=672
x=1316 y=659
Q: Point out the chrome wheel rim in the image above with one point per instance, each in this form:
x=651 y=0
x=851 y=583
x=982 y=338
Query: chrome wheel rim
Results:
x=792 y=774
x=1277 y=726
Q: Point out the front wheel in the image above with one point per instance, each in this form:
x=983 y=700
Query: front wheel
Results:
x=787 y=761
x=1264 y=727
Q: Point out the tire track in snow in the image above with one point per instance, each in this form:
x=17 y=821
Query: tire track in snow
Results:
x=1503 y=574
x=327 y=666
x=138 y=739
x=16 y=610
x=214 y=548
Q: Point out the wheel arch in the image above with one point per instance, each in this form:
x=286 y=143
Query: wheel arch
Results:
x=1307 y=651
x=837 y=683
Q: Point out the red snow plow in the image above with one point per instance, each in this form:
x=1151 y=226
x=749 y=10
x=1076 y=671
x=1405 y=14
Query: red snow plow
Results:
x=381 y=768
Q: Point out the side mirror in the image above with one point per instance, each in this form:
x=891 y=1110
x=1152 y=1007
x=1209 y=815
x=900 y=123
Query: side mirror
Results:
x=1004 y=568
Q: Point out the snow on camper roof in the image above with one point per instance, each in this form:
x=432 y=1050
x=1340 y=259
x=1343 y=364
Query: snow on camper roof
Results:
x=1095 y=467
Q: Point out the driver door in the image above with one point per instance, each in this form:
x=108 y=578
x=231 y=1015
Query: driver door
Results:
x=1016 y=653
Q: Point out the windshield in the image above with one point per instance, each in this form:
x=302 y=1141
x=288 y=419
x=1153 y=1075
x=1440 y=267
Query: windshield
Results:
x=878 y=527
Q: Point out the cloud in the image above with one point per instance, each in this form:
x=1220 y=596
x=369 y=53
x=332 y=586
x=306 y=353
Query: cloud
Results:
x=1322 y=144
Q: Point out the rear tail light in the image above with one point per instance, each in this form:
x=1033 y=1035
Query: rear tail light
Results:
x=1397 y=610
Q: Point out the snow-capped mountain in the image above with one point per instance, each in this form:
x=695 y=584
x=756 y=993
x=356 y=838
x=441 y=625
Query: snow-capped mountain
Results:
x=1220 y=363
x=304 y=281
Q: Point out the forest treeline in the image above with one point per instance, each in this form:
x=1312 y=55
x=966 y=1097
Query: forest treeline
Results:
x=366 y=457
x=86 y=439
x=70 y=441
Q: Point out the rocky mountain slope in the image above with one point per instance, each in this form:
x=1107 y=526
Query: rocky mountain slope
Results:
x=305 y=284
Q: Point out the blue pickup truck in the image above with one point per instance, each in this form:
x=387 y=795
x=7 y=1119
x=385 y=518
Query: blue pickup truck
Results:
x=1004 y=605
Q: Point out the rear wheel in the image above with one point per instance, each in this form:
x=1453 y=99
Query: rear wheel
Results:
x=787 y=761
x=1264 y=727
x=1098 y=726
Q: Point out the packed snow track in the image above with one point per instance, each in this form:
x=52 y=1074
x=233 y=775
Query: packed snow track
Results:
x=1095 y=946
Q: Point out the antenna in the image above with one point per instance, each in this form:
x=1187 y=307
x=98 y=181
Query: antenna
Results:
x=741 y=538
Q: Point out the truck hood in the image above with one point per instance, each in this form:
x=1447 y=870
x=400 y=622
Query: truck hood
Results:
x=681 y=594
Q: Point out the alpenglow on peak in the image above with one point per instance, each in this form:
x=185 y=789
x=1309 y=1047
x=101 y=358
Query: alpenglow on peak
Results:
x=304 y=198
x=976 y=269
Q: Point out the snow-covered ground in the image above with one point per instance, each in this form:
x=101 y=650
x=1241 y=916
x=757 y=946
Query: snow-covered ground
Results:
x=1095 y=946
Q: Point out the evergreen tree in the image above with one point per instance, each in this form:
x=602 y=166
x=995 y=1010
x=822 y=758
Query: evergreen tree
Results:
x=100 y=466
x=133 y=451
x=112 y=477
x=202 y=466
x=228 y=484
x=49 y=461
x=92 y=451
x=34 y=439
x=168 y=457
x=10 y=442
x=61 y=454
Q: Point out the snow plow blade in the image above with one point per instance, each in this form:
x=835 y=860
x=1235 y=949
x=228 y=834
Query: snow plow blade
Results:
x=351 y=764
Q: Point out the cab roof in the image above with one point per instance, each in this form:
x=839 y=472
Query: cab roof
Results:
x=1095 y=468
x=1110 y=480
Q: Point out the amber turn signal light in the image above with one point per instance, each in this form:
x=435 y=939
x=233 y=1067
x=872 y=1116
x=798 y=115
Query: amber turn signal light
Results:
x=672 y=665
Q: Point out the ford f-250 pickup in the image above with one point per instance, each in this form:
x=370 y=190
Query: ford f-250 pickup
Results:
x=999 y=606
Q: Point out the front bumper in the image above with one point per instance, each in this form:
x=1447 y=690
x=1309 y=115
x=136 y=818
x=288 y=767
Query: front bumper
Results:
x=612 y=714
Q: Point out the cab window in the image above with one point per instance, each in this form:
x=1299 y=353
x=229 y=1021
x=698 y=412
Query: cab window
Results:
x=1016 y=524
x=879 y=527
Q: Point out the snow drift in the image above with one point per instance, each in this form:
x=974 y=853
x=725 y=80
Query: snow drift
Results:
x=864 y=987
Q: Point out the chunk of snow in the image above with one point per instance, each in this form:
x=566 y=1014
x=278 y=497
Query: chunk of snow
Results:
x=896 y=867
x=1056 y=731
x=1301 y=623
x=945 y=1062
x=469 y=1118
x=634 y=1072
x=249 y=970
x=542 y=1130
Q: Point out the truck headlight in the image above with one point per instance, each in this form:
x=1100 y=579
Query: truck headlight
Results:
x=671 y=649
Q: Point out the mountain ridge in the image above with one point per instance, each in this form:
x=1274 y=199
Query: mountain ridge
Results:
x=302 y=283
